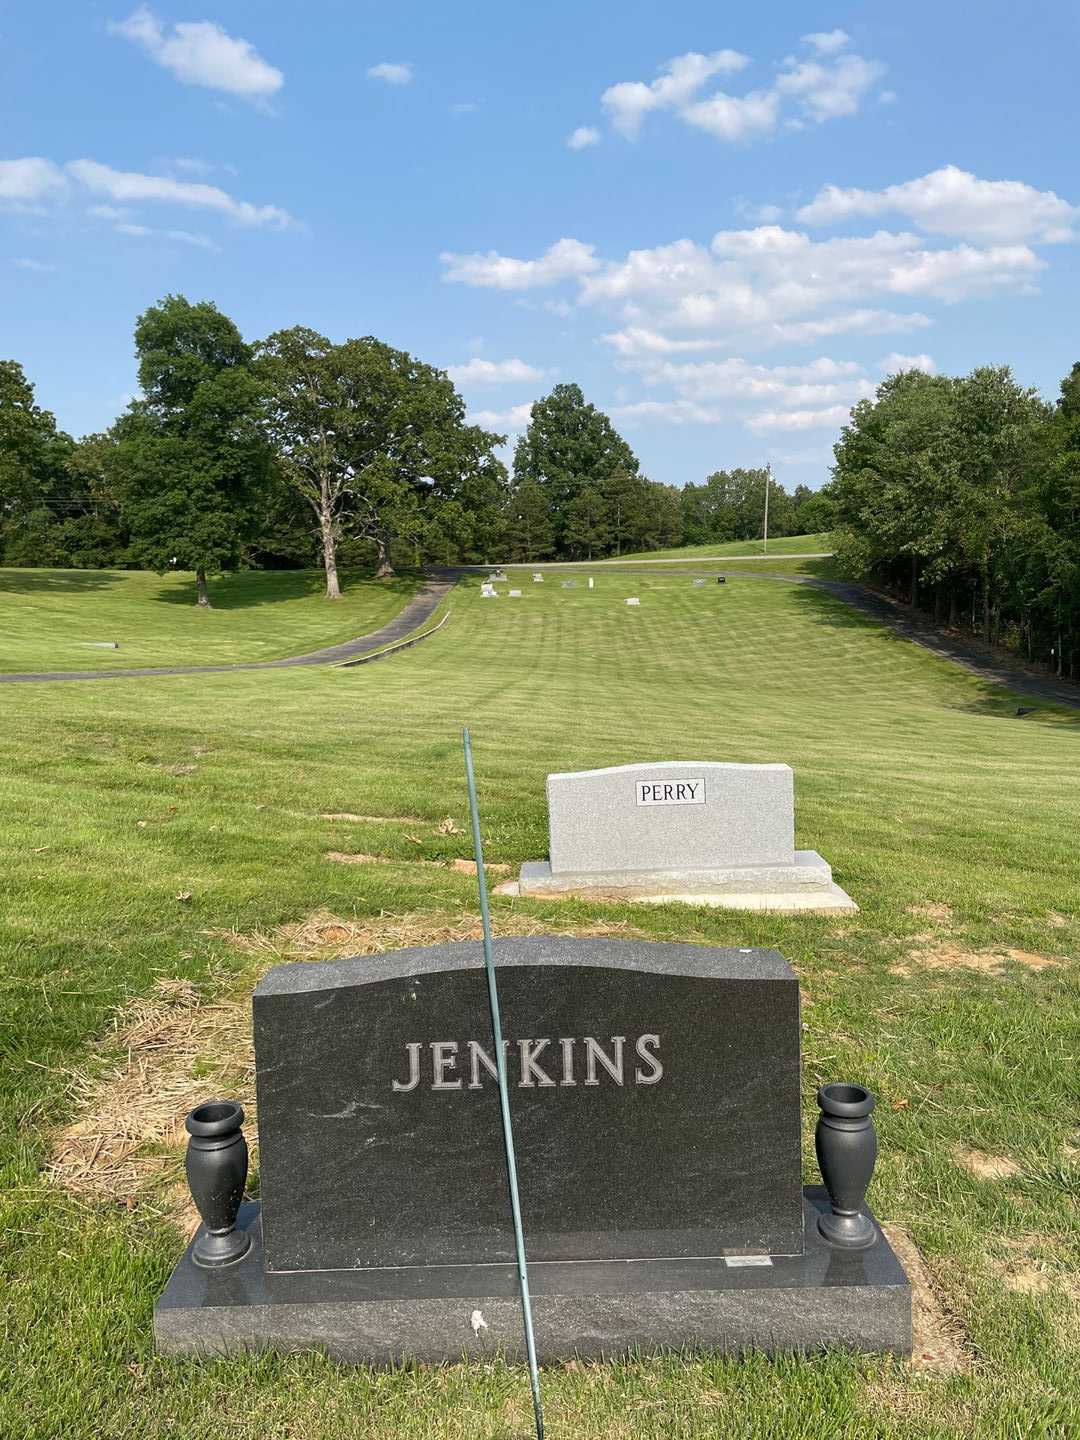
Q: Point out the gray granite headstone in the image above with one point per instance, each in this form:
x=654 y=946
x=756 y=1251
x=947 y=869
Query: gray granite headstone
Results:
x=654 y=1095
x=682 y=814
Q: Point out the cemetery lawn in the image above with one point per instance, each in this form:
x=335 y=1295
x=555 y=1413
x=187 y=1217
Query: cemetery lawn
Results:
x=57 y=619
x=166 y=840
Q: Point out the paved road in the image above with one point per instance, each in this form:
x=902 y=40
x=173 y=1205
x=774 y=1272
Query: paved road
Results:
x=424 y=603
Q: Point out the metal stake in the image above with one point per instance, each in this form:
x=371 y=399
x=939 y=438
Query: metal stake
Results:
x=504 y=1094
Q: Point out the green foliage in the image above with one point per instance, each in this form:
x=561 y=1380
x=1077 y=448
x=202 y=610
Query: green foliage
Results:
x=965 y=493
x=188 y=465
x=375 y=442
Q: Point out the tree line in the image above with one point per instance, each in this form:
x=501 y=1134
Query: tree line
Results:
x=296 y=451
x=963 y=495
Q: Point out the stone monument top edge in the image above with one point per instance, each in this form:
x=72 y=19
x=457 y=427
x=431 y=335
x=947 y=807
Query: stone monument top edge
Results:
x=668 y=765
x=644 y=956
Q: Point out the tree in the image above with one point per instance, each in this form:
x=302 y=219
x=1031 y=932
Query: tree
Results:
x=568 y=445
x=588 y=524
x=528 y=528
x=33 y=471
x=368 y=436
x=188 y=465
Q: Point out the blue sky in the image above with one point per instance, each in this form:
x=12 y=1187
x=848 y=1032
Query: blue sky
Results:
x=725 y=227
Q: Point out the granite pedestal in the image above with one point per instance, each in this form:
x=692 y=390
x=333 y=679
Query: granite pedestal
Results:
x=854 y=1300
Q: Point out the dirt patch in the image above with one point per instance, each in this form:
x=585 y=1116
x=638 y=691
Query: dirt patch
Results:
x=342 y=857
x=1037 y=1266
x=950 y=956
x=468 y=867
x=1056 y=921
x=169 y=1051
x=371 y=819
x=983 y=1165
x=934 y=910
x=939 y=1342
x=1033 y=960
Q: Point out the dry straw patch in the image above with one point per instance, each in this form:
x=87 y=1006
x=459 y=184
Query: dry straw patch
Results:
x=172 y=1049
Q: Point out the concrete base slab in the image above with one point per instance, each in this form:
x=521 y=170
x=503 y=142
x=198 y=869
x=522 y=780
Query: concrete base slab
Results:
x=855 y=1300
x=805 y=886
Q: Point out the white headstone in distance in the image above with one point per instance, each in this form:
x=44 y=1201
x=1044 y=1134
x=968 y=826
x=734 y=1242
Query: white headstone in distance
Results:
x=538 y=579
x=590 y=582
x=633 y=600
x=515 y=594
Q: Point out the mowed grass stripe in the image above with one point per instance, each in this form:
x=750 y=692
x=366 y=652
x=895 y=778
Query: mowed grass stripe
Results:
x=914 y=778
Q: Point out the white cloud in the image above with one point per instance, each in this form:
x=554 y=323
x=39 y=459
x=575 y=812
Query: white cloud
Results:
x=825 y=86
x=36 y=267
x=394 y=72
x=853 y=322
x=31 y=180
x=954 y=202
x=493 y=372
x=680 y=79
x=827 y=42
x=465 y=107
x=129 y=186
x=202 y=53
x=564 y=260
x=515 y=419
x=179 y=237
x=583 y=137
x=828 y=418
x=892 y=364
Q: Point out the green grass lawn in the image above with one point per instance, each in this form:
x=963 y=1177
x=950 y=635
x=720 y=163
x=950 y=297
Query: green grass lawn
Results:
x=54 y=619
x=735 y=549
x=165 y=828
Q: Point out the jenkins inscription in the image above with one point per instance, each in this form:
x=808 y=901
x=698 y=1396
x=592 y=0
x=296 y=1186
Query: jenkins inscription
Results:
x=531 y=1064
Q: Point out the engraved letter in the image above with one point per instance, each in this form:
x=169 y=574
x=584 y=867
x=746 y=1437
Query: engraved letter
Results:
x=478 y=1056
x=529 y=1050
x=645 y=1053
x=414 y=1069
x=444 y=1058
x=567 y=1044
x=593 y=1053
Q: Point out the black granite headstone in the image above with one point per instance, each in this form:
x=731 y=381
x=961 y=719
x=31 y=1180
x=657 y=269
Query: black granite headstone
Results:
x=654 y=1094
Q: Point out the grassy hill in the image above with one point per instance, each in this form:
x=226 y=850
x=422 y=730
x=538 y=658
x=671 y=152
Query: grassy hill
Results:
x=168 y=829
x=56 y=619
x=820 y=544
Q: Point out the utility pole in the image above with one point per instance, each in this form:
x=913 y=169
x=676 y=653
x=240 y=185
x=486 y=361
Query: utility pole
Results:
x=765 y=531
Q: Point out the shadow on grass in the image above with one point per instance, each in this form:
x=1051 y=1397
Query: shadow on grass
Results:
x=250 y=588
x=57 y=582
x=1001 y=698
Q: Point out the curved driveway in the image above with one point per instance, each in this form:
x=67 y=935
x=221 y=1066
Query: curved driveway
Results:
x=423 y=604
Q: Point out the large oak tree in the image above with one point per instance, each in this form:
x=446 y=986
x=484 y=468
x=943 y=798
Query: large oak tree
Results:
x=373 y=439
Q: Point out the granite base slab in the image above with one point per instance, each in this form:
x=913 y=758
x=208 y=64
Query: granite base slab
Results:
x=805 y=885
x=854 y=1300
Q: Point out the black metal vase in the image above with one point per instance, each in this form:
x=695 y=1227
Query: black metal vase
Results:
x=217 y=1166
x=846 y=1145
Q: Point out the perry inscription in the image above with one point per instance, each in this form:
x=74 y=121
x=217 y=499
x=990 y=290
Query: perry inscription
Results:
x=671 y=792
